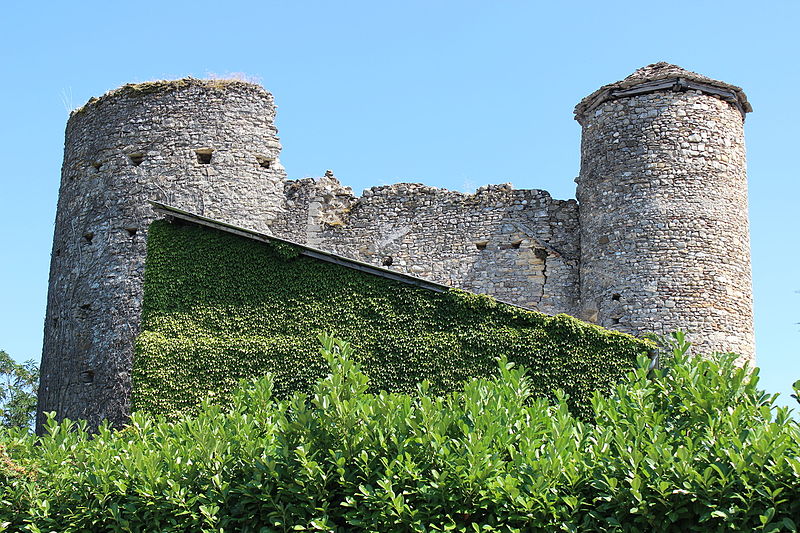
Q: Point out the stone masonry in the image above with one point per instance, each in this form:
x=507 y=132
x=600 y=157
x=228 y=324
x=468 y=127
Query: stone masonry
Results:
x=663 y=209
x=520 y=246
x=658 y=239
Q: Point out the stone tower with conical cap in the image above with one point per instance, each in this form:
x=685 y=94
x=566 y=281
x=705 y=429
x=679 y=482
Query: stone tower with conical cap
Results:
x=207 y=146
x=662 y=196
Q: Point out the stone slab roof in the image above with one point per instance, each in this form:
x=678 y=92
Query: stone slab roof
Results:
x=169 y=211
x=658 y=76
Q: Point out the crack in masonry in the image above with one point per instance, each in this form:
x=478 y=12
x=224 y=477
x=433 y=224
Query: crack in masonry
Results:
x=544 y=281
x=203 y=186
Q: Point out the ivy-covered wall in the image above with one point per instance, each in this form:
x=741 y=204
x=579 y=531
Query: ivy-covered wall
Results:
x=219 y=307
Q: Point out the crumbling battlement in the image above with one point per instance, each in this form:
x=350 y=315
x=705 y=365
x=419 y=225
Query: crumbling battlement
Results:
x=520 y=246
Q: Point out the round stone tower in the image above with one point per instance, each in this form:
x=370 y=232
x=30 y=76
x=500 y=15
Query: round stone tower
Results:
x=662 y=196
x=207 y=146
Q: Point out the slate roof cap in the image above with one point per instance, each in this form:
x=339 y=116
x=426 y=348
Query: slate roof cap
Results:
x=662 y=71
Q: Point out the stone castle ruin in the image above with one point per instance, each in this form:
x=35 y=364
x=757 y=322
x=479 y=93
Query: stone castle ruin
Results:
x=657 y=240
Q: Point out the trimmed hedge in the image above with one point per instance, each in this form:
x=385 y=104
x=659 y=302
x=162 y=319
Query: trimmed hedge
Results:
x=218 y=308
x=695 y=447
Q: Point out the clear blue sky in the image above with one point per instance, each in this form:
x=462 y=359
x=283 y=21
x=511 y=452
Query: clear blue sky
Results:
x=451 y=94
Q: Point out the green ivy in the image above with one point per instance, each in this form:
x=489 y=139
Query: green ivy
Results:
x=219 y=308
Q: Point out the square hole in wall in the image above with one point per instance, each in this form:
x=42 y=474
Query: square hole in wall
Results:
x=264 y=161
x=510 y=245
x=204 y=155
x=616 y=296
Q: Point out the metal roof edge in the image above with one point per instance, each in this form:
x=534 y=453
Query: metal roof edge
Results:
x=309 y=251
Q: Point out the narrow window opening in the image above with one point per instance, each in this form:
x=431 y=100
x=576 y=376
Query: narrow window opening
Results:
x=388 y=260
x=481 y=245
x=615 y=321
x=87 y=376
x=540 y=253
x=264 y=162
x=131 y=231
x=136 y=159
x=616 y=296
x=88 y=237
x=55 y=321
x=57 y=253
x=204 y=155
x=98 y=165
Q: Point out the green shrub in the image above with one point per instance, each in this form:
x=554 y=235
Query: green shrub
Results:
x=695 y=447
x=218 y=308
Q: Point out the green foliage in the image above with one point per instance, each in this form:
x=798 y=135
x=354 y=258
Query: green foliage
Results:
x=219 y=308
x=18 y=386
x=695 y=447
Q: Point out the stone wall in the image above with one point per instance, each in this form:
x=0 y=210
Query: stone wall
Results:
x=205 y=146
x=520 y=246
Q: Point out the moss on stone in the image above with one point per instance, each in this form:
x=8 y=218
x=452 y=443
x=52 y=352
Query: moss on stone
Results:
x=133 y=90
